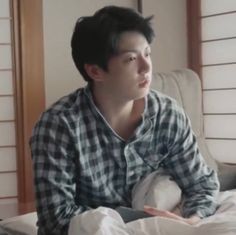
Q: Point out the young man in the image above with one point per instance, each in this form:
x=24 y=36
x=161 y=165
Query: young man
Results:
x=92 y=146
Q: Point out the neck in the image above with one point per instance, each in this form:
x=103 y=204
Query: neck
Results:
x=123 y=116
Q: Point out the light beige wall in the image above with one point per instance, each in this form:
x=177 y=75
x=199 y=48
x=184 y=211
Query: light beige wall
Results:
x=61 y=76
x=169 y=50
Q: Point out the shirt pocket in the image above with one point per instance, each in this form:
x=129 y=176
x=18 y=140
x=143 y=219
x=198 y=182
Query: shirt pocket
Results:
x=155 y=159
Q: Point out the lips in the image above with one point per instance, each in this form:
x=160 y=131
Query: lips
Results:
x=144 y=83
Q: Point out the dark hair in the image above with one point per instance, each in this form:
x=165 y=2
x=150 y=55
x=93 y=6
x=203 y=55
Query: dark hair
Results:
x=95 y=38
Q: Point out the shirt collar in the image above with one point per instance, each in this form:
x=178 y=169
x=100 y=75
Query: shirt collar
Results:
x=151 y=103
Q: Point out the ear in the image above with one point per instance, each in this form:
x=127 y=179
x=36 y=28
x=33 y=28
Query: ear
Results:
x=94 y=72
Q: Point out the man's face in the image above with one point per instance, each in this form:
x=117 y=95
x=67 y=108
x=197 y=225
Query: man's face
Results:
x=130 y=71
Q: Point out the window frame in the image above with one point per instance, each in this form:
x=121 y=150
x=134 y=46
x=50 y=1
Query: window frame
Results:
x=28 y=76
x=194 y=36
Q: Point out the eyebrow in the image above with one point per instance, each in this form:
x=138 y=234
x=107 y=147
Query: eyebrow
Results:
x=121 y=52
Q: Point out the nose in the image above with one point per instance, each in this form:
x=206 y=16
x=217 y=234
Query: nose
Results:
x=145 y=64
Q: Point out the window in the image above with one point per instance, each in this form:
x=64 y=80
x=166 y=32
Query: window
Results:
x=8 y=172
x=213 y=55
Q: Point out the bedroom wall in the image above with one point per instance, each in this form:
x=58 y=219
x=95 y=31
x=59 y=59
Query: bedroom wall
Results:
x=169 y=50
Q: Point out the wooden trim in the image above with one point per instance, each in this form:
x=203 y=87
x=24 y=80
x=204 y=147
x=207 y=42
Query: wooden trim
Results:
x=7 y=172
x=8 y=197
x=10 y=95
x=218 y=39
x=29 y=89
x=5 y=18
x=219 y=138
x=5 y=70
x=7 y=146
x=140 y=6
x=218 y=14
x=219 y=64
x=219 y=114
x=219 y=89
x=194 y=36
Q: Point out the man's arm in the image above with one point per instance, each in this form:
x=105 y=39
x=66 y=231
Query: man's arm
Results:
x=55 y=175
x=186 y=165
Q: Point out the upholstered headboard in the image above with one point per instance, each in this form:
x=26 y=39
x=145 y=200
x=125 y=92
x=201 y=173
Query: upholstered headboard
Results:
x=185 y=86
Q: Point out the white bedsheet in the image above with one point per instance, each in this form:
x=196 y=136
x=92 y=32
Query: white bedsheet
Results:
x=105 y=221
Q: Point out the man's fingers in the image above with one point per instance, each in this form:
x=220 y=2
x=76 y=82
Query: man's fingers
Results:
x=167 y=214
x=156 y=212
x=152 y=211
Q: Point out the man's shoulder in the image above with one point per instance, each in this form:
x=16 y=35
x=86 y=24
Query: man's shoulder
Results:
x=162 y=102
x=67 y=103
x=65 y=107
x=168 y=115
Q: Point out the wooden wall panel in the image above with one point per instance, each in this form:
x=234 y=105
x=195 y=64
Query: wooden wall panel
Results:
x=194 y=36
x=29 y=88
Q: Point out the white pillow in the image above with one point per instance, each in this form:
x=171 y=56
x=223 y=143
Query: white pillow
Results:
x=21 y=225
x=157 y=190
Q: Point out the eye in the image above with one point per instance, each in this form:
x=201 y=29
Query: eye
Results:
x=131 y=58
x=148 y=54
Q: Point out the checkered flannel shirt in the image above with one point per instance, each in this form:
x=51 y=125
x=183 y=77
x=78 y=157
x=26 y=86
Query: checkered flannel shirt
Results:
x=81 y=163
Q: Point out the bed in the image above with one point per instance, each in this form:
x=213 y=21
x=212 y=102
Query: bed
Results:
x=222 y=223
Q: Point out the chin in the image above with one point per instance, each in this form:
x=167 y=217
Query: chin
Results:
x=142 y=94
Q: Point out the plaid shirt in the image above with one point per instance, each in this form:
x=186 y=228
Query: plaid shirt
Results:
x=81 y=163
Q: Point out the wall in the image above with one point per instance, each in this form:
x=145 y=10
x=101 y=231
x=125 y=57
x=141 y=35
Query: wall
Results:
x=61 y=77
x=169 y=50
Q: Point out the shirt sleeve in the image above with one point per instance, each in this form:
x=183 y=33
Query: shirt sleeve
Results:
x=198 y=182
x=55 y=168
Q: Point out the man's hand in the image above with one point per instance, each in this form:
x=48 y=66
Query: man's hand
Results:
x=153 y=211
